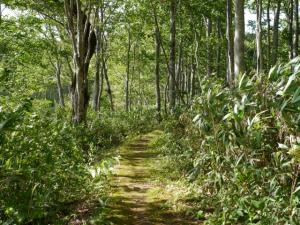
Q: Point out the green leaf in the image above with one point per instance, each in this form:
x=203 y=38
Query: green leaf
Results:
x=273 y=72
x=291 y=79
x=200 y=215
x=282 y=146
x=296 y=96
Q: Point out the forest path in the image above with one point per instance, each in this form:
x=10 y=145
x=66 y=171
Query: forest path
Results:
x=133 y=201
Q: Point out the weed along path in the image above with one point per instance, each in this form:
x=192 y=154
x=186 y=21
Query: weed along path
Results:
x=133 y=201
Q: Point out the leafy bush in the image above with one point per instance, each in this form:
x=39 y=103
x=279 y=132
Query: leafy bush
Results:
x=46 y=162
x=42 y=166
x=241 y=146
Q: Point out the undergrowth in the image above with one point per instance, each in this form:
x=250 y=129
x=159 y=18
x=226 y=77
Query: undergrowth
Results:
x=49 y=167
x=238 y=149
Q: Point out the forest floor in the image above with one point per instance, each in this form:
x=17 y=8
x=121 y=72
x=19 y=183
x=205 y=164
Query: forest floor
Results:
x=136 y=196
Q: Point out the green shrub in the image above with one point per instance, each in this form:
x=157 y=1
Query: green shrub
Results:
x=45 y=161
x=234 y=143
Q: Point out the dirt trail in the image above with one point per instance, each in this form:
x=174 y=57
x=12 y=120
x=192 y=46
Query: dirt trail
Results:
x=133 y=201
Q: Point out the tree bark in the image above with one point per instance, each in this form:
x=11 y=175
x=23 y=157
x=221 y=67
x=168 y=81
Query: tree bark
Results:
x=172 y=91
x=157 y=73
x=83 y=43
x=268 y=34
x=296 y=38
x=179 y=70
x=239 y=39
x=128 y=71
x=193 y=76
x=291 y=32
x=132 y=77
x=259 y=57
x=219 y=49
x=209 y=47
x=96 y=100
x=108 y=87
x=230 y=44
x=59 y=86
x=276 y=34
x=0 y=13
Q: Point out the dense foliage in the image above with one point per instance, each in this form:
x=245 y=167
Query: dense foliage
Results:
x=47 y=164
x=79 y=77
x=241 y=148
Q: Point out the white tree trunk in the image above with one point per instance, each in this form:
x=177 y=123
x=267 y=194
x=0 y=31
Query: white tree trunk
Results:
x=259 y=57
x=230 y=44
x=239 y=38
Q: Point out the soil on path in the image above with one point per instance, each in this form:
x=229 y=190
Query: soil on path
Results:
x=132 y=201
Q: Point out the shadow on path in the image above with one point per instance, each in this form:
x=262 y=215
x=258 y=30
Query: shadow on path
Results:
x=131 y=202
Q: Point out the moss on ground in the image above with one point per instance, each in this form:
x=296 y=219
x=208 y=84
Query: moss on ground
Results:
x=136 y=197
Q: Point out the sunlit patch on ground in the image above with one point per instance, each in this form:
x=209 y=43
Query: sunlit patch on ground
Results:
x=133 y=200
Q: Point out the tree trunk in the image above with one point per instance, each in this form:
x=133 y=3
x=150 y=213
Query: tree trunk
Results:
x=268 y=35
x=157 y=73
x=259 y=57
x=219 y=49
x=296 y=38
x=166 y=96
x=172 y=91
x=276 y=34
x=0 y=13
x=108 y=88
x=101 y=85
x=291 y=32
x=131 y=83
x=179 y=69
x=96 y=100
x=188 y=84
x=196 y=56
x=239 y=39
x=209 y=47
x=128 y=71
x=59 y=86
x=83 y=44
x=230 y=44
x=193 y=75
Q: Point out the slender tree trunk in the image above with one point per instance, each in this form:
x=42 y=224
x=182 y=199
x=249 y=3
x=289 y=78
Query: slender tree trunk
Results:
x=193 y=75
x=259 y=57
x=209 y=47
x=0 y=13
x=140 y=93
x=101 y=84
x=171 y=69
x=219 y=49
x=196 y=53
x=131 y=83
x=188 y=79
x=128 y=71
x=239 y=39
x=179 y=69
x=179 y=58
x=166 y=96
x=230 y=44
x=291 y=32
x=172 y=91
x=296 y=38
x=59 y=86
x=276 y=34
x=196 y=57
x=96 y=100
x=108 y=87
x=157 y=74
x=268 y=35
